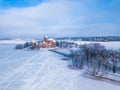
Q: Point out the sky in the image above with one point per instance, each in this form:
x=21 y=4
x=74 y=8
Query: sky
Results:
x=59 y=18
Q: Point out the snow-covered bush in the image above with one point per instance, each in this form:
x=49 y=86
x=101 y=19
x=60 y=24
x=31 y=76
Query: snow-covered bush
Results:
x=65 y=44
x=19 y=46
x=27 y=44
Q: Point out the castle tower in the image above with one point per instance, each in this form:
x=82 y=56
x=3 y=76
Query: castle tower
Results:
x=46 y=39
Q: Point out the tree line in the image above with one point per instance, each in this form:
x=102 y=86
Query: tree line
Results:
x=97 y=59
x=65 y=44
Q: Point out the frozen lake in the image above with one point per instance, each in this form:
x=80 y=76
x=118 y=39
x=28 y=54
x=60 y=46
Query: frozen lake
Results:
x=42 y=70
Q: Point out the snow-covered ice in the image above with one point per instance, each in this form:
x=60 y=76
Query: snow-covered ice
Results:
x=108 y=45
x=42 y=70
x=16 y=41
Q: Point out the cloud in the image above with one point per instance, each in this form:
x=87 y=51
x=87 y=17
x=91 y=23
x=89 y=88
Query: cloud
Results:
x=44 y=18
x=58 y=18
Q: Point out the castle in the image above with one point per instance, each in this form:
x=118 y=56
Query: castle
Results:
x=48 y=43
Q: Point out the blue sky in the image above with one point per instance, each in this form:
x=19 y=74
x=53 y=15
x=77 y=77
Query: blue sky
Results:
x=58 y=18
x=18 y=3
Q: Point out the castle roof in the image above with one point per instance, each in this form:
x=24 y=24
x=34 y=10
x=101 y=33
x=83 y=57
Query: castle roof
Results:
x=50 y=39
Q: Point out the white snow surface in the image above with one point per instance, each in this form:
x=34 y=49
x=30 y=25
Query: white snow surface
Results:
x=42 y=70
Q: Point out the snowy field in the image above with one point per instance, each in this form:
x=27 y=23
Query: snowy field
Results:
x=42 y=70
